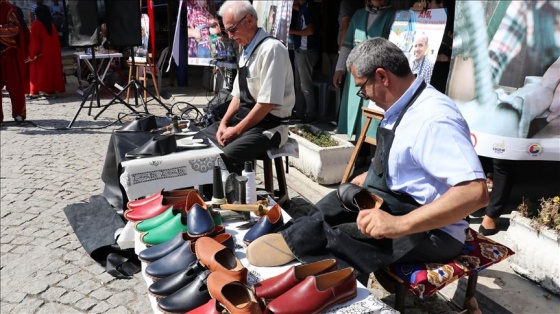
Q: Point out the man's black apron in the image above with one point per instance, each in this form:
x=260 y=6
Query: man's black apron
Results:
x=334 y=228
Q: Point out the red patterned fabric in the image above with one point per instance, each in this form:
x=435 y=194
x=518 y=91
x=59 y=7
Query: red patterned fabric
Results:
x=424 y=279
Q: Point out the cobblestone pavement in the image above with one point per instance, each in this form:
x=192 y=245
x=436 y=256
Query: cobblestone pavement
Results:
x=44 y=268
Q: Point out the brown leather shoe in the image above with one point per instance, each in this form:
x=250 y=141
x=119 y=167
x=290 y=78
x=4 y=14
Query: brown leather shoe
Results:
x=235 y=296
x=273 y=287
x=316 y=293
x=218 y=258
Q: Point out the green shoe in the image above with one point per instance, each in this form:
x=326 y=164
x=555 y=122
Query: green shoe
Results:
x=216 y=216
x=145 y=225
x=165 y=231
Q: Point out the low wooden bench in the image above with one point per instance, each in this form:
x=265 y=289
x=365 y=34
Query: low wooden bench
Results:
x=424 y=279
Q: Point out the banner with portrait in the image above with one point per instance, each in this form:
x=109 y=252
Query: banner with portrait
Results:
x=274 y=16
x=505 y=77
x=419 y=35
x=203 y=32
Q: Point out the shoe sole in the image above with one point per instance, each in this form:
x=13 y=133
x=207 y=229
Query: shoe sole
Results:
x=277 y=251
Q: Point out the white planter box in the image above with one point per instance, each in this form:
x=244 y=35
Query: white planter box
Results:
x=537 y=252
x=324 y=165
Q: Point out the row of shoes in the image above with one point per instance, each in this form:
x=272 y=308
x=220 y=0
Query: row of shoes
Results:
x=161 y=216
x=173 y=213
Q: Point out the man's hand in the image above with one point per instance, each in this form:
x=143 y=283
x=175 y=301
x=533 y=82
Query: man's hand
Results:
x=221 y=129
x=379 y=224
x=228 y=135
x=360 y=179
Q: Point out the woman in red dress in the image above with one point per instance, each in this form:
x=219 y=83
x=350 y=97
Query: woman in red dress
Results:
x=45 y=58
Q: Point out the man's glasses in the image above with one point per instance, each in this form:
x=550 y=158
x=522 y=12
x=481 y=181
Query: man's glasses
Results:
x=233 y=29
x=360 y=92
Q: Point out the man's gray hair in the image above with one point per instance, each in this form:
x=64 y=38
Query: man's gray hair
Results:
x=239 y=9
x=377 y=53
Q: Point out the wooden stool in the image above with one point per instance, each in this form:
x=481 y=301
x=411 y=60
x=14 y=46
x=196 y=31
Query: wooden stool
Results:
x=425 y=279
x=369 y=114
x=142 y=69
x=281 y=195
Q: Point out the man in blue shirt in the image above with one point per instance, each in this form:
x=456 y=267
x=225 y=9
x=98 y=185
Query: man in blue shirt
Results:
x=425 y=169
x=307 y=49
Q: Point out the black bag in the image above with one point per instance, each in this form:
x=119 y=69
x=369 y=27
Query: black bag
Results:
x=218 y=106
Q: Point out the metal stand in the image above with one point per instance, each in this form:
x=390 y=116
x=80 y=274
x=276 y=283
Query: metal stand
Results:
x=93 y=91
x=138 y=88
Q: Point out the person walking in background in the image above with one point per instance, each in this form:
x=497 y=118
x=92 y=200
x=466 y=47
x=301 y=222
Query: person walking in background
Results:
x=420 y=63
x=45 y=58
x=346 y=10
x=57 y=14
x=10 y=62
x=31 y=16
x=306 y=55
x=375 y=20
x=23 y=50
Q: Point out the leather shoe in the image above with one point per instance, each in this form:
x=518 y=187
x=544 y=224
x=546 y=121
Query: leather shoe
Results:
x=192 y=197
x=165 y=231
x=189 y=297
x=355 y=198
x=218 y=258
x=170 y=284
x=236 y=297
x=316 y=293
x=153 y=209
x=273 y=287
x=156 y=252
x=150 y=198
x=173 y=262
x=211 y=307
x=270 y=223
x=199 y=220
x=269 y=250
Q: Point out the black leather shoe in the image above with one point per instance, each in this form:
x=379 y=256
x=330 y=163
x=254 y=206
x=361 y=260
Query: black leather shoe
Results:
x=173 y=262
x=199 y=221
x=189 y=297
x=169 y=285
x=270 y=223
x=354 y=197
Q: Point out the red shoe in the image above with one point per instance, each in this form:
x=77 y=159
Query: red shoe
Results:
x=153 y=209
x=150 y=198
x=272 y=288
x=316 y=293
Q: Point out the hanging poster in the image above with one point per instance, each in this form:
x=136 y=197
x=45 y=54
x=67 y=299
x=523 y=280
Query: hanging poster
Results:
x=419 y=35
x=274 y=16
x=505 y=74
x=203 y=31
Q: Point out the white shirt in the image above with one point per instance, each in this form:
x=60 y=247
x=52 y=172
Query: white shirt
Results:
x=432 y=150
x=270 y=78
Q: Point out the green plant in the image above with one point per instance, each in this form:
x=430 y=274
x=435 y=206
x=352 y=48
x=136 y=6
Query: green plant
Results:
x=319 y=138
x=545 y=214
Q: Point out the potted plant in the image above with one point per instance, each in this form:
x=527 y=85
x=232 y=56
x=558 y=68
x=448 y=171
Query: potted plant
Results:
x=322 y=157
x=534 y=234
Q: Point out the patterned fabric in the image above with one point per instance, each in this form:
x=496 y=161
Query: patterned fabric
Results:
x=424 y=279
x=9 y=28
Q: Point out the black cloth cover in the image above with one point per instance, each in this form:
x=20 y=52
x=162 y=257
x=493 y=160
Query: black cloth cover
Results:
x=95 y=224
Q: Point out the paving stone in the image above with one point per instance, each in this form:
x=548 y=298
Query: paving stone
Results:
x=5 y=248
x=53 y=293
x=11 y=296
x=71 y=297
x=28 y=305
x=86 y=304
x=101 y=294
x=73 y=256
x=35 y=286
x=54 y=278
x=6 y=238
x=70 y=283
x=101 y=307
x=52 y=307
